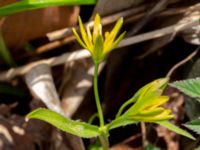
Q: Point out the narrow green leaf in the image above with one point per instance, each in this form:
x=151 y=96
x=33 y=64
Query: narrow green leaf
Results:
x=174 y=128
x=194 y=125
x=5 y=53
x=190 y=87
x=77 y=128
x=25 y=5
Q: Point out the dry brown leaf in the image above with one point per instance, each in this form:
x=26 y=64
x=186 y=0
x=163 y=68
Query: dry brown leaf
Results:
x=25 y=26
x=76 y=82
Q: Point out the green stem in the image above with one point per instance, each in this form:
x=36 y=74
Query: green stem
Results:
x=103 y=137
x=96 y=94
x=104 y=142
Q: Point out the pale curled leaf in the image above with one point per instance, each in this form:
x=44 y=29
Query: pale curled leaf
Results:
x=77 y=128
x=194 y=125
x=190 y=87
x=175 y=129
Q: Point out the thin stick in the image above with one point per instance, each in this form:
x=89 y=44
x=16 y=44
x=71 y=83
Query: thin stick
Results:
x=150 y=15
x=70 y=37
x=182 y=62
x=59 y=34
x=67 y=57
x=157 y=33
x=54 y=61
x=144 y=138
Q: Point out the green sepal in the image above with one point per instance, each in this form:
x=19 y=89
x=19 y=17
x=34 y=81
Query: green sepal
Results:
x=98 y=49
x=77 y=128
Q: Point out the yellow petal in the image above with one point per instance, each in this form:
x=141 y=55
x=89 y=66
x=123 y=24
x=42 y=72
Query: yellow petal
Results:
x=150 y=112
x=85 y=36
x=89 y=34
x=78 y=38
x=97 y=27
x=158 y=101
x=108 y=49
x=151 y=117
x=106 y=34
x=109 y=40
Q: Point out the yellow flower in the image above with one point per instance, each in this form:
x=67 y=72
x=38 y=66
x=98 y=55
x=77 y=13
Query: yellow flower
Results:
x=95 y=43
x=147 y=107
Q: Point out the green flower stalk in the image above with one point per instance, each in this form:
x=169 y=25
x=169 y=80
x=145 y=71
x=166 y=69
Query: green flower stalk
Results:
x=99 y=47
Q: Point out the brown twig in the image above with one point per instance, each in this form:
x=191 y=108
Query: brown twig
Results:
x=67 y=57
x=157 y=33
x=144 y=134
x=59 y=34
x=129 y=19
x=150 y=15
x=54 y=61
x=182 y=62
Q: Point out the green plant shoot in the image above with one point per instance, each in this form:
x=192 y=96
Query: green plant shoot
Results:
x=144 y=106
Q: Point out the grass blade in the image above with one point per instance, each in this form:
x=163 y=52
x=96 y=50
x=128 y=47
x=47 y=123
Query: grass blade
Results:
x=25 y=5
x=5 y=54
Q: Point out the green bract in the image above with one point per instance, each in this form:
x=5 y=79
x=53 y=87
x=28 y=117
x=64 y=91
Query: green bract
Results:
x=95 y=43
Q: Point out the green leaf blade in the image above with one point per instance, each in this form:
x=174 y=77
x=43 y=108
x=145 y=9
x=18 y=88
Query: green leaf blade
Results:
x=77 y=128
x=25 y=5
x=190 y=87
x=194 y=125
x=176 y=129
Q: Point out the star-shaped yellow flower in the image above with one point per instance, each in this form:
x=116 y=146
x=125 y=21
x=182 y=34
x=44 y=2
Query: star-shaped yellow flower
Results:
x=94 y=42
